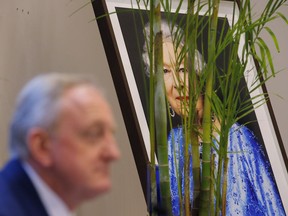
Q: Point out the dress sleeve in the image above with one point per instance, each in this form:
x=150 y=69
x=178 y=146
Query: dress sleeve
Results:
x=251 y=184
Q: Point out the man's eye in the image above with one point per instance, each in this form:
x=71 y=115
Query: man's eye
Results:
x=92 y=135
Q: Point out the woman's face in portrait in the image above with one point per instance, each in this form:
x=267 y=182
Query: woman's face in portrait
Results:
x=176 y=81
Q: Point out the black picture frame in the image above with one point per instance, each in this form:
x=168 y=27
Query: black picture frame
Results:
x=132 y=104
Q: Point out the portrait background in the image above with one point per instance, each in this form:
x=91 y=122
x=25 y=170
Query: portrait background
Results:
x=131 y=23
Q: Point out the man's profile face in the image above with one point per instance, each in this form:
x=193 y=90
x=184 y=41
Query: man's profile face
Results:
x=83 y=145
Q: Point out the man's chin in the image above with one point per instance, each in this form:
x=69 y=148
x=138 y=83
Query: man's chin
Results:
x=96 y=190
x=103 y=187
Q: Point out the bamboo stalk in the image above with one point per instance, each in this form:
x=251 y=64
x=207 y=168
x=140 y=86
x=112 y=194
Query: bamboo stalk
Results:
x=190 y=45
x=152 y=187
x=160 y=113
x=212 y=207
x=224 y=187
x=191 y=136
x=205 y=201
x=186 y=173
x=221 y=184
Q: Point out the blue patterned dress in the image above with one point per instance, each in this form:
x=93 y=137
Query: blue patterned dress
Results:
x=251 y=189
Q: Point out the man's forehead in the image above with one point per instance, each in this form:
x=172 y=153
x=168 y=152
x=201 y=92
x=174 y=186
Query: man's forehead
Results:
x=85 y=96
x=87 y=101
x=83 y=91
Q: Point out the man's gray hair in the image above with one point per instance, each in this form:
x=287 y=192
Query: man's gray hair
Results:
x=38 y=106
x=173 y=34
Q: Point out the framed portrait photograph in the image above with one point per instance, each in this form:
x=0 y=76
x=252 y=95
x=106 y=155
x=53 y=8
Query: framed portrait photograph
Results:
x=121 y=25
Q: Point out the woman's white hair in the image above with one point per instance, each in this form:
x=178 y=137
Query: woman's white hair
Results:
x=169 y=33
x=38 y=106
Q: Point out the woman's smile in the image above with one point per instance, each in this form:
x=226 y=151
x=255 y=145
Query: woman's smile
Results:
x=182 y=98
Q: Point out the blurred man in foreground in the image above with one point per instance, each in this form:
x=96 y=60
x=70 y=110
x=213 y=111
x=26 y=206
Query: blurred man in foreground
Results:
x=62 y=143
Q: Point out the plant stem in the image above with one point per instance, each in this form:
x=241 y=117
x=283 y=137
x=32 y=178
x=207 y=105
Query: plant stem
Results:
x=205 y=201
x=160 y=113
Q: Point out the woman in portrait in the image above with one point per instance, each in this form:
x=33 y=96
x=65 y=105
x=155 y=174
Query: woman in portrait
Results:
x=251 y=188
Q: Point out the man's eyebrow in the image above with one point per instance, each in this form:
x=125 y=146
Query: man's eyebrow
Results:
x=100 y=123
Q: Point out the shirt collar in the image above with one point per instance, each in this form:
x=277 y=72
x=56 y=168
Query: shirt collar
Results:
x=53 y=204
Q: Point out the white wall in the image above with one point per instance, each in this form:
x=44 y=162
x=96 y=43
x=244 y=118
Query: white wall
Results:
x=277 y=89
x=278 y=86
x=38 y=36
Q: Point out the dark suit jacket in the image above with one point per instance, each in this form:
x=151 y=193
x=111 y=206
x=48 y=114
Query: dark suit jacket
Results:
x=18 y=196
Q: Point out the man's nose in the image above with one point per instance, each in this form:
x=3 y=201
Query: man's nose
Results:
x=112 y=150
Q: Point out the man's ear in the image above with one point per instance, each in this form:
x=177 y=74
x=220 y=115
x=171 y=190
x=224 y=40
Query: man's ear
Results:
x=38 y=143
